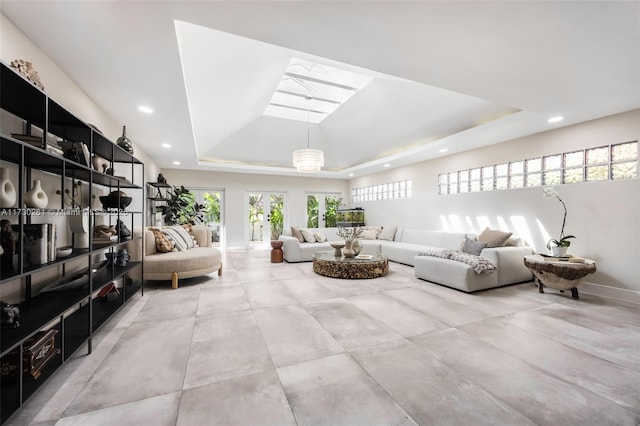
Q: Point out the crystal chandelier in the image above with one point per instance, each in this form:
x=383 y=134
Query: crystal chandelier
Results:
x=308 y=160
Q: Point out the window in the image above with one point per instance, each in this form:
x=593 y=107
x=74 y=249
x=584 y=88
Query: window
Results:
x=385 y=191
x=618 y=161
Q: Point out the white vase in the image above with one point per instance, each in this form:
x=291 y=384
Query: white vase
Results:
x=7 y=190
x=79 y=225
x=559 y=251
x=36 y=198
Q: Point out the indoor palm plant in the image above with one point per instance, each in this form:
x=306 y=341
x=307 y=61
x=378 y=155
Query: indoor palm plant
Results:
x=558 y=246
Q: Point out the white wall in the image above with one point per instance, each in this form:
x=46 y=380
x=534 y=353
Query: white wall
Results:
x=236 y=186
x=15 y=45
x=604 y=216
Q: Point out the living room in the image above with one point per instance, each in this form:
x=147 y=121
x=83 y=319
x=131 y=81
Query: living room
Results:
x=600 y=106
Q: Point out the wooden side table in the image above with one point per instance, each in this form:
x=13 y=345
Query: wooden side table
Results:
x=276 y=251
x=560 y=275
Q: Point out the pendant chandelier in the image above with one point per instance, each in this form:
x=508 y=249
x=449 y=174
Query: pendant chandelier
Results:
x=308 y=160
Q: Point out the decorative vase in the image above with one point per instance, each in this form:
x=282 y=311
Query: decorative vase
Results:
x=356 y=246
x=124 y=142
x=122 y=258
x=559 y=251
x=347 y=251
x=79 y=225
x=7 y=190
x=36 y=198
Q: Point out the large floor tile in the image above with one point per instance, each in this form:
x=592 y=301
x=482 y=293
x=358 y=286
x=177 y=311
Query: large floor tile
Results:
x=396 y=315
x=158 y=411
x=149 y=360
x=222 y=300
x=163 y=306
x=225 y=347
x=268 y=294
x=621 y=349
x=543 y=398
x=256 y=399
x=350 y=326
x=602 y=377
x=293 y=335
x=431 y=392
x=448 y=312
x=336 y=391
x=307 y=290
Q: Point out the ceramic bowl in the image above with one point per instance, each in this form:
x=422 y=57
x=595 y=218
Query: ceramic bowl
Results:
x=63 y=251
x=115 y=200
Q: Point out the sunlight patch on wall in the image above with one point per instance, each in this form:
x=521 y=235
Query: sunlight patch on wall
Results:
x=521 y=229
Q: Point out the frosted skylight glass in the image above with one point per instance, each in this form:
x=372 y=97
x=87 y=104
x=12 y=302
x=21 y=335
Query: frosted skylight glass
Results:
x=327 y=87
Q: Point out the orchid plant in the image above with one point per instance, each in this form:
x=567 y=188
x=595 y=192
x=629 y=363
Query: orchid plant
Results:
x=550 y=192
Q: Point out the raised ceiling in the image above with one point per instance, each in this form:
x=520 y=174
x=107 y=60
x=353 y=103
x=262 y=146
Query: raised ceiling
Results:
x=455 y=75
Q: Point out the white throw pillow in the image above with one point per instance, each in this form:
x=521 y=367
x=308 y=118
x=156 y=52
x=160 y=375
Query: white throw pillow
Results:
x=368 y=234
x=320 y=237
x=388 y=232
x=308 y=236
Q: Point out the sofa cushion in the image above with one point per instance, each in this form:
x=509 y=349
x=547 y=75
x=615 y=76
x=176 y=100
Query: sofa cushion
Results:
x=295 y=232
x=388 y=232
x=472 y=246
x=308 y=236
x=369 y=234
x=320 y=237
x=494 y=237
x=180 y=237
x=163 y=244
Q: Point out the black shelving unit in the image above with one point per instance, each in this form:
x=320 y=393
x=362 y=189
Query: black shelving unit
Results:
x=74 y=314
x=157 y=196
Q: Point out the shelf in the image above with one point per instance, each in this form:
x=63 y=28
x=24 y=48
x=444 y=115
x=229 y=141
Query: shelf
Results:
x=159 y=184
x=75 y=313
x=38 y=312
x=157 y=199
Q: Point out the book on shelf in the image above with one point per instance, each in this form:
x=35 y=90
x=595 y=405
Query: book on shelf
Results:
x=51 y=242
x=32 y=140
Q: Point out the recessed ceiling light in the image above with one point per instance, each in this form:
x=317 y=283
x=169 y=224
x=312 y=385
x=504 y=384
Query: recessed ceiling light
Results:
x=177 y=163
x=166 y=145
x=556 y=119
x=444 y=150
x=387 y=165
x=350 y=174
x=145 y=109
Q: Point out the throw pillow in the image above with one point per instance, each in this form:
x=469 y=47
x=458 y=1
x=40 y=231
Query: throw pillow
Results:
x=471 y=246
x=180 y=237
x=308 y=236
x=388 y=232
x=189 y=229
x=320 y=237
x=296 y=233
x=163 y=245
x=368 y=235
x=493 y=237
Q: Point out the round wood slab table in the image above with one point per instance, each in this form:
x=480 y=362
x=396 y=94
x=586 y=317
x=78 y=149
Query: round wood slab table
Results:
x=360 y=267
x=560 y=275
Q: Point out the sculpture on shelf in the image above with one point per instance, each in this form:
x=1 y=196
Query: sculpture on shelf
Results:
x=36 y=197
x=124 y=142
x=8 y=241
x=8 y=194
x=26 y=69
x=100 y=164
x=122 y=257
x=161 y=179
x=73 y=196
x=9 y=315
x=122 y=230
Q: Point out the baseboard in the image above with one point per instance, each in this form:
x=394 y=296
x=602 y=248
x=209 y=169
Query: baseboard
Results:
x=614 y=293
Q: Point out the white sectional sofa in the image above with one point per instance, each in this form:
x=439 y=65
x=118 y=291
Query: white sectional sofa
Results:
x=408 y=243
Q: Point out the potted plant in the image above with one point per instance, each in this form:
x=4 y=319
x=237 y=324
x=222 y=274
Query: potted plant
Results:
x=182 y=208
x=558 y=246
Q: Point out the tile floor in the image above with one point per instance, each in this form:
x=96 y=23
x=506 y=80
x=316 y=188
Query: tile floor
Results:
x=275 y=344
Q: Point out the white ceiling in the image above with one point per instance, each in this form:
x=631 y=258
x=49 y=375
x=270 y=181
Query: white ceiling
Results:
x=445 y=74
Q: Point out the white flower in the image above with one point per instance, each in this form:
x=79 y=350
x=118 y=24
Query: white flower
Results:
x=550 y=192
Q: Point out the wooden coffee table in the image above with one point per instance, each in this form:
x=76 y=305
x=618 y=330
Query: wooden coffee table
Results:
x=561 y=275
x=326 y=263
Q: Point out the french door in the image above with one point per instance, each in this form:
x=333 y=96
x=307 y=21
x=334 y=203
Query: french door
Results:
x=321 y=210
x=266 y=217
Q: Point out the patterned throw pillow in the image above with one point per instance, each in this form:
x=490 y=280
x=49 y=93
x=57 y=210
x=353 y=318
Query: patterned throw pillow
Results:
x=189 y=229
x=180 y=237
x=472 y=246
x=163 y=245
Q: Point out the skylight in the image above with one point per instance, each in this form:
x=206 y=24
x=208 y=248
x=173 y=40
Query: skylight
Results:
x=314 y=89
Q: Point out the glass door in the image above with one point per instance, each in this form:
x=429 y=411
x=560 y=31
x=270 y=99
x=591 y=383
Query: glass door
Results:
x=266 y=217
x=321 y=210
x=212 y=200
